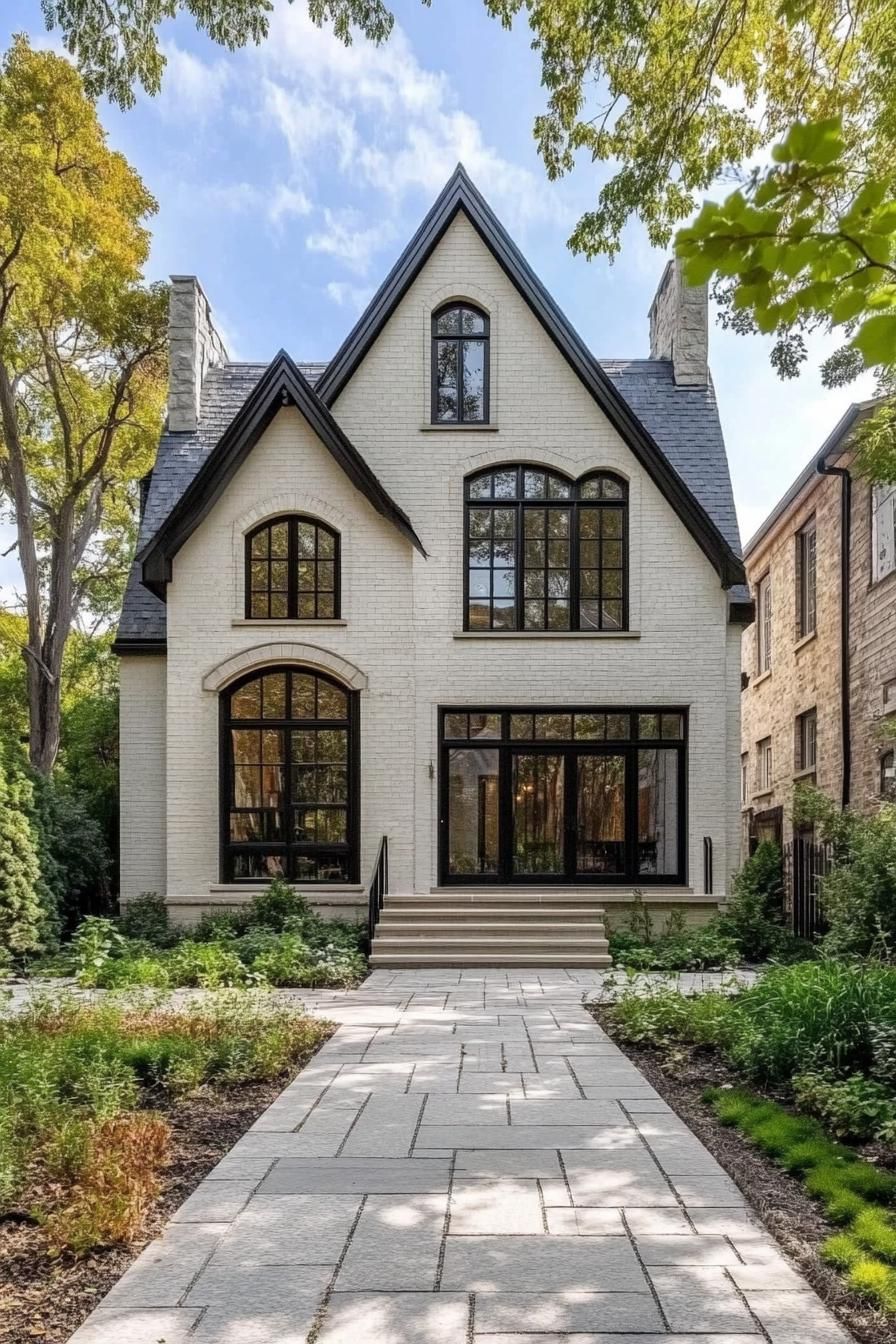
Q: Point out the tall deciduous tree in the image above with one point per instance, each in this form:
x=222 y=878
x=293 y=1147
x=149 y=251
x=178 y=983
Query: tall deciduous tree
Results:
x=82 y=359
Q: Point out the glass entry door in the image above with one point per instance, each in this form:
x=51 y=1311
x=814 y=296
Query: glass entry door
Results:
x=563 y=796
x=539 y=813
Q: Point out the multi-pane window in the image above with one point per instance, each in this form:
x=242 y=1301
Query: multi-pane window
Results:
x=459 y=365
x=562 y=795
x=806 y=740
x=292 y=570
x=764 y=777
x=883 y=530
x=764 y=624
x=888 y=775
x=805 y=580
x=544 y=552
x=288 y=780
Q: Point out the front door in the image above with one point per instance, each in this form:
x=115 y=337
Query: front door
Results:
x=573 y=796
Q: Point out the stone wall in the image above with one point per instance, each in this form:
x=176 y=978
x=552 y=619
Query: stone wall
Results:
x=679 y=327
x=872 y=655
x=194 y=347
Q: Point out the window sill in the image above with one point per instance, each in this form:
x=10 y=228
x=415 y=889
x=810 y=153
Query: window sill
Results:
x=763 y=676
x=763 y=793
x=546 y=634
x=806 y=639
x=458 y=429
x=285 y=620
x=800 y=775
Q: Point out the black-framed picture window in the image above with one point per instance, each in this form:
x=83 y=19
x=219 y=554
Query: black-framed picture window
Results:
x=460 y=365
x=292 y=570
x=289 y=778
x=562 y=795
x=543 y=552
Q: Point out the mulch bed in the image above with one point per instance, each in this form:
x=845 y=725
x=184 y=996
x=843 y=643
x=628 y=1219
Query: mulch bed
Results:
x=681 y=1077
x=43 y=1301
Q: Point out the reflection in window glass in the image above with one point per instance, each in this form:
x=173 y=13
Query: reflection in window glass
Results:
x=472 y=811
x=618 y=725
x=538 y=814
x=600 y=814
x=460 y=365
x=657 y=811
x=455 y=725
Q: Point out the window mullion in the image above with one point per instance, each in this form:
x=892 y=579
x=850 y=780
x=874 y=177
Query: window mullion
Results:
x=292 y=578
x=574 y=622
x=519 y=552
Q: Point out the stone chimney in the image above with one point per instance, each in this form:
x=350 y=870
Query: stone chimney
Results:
x=679 y=327
x=194 y=347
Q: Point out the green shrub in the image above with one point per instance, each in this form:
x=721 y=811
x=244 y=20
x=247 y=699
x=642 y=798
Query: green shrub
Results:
x=205 y=966
x=875 y=1231
x=146 y=918
x=753 y=914
x=95 y=941
x=21 y=915
x=852 y=1108
x=664 y=1017
x=842 y=1251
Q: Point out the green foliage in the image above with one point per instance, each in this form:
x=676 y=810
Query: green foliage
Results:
x=679 y=948
x=94 y=943
x=73 y=1145
x=276 y=941
x=666 y=1017
x=146 y=918
x=754 y=911
x=852 y=1108
x=811 y=243
x=875 y=1281
x=115 y=42
x=21 y=916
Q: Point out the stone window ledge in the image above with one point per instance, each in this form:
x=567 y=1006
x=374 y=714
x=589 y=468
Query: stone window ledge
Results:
x=763 y=676
x=277 y=620
x=806 y=639
x=546 y=634
x=799 y=775
x=454 y=428
x=763 y=793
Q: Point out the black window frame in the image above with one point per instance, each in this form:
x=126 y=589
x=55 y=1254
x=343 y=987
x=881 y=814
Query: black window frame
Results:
x=293 y=592
x=807 y=579
x=577 y=504
x=887 y=786
x=228 y=849
x=570 y=747
x=484 y=337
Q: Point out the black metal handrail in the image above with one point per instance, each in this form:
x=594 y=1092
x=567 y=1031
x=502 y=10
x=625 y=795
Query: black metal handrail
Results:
x=707 y=864
x=378 y=887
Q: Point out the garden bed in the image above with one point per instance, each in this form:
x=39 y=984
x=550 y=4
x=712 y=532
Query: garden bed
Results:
x=47 y=1289
x=682 y=1076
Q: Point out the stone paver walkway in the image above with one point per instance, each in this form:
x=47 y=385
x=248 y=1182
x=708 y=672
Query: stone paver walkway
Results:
x=469 y=1160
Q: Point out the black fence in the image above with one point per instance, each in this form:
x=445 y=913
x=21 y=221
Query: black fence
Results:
x=805 y=864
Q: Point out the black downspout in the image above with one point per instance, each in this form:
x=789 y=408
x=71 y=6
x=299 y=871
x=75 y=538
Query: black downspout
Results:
x=845 y=544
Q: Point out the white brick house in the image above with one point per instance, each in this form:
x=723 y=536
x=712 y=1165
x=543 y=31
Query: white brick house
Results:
x=501 y=628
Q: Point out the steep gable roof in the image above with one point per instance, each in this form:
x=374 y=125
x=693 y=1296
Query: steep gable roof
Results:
x=459 y=194
x=281 y=384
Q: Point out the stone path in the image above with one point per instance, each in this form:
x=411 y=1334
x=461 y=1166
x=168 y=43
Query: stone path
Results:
x=469 y=1160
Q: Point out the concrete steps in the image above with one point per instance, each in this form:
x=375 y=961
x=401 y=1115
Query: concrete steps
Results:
x=491 y=928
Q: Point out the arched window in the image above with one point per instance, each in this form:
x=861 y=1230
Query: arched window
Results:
x=289 y=778
x=544 y=552
x=292 y=570
x=459 y=365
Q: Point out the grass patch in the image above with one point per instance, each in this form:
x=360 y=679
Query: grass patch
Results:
x=851 y=1191
x=81 y=1149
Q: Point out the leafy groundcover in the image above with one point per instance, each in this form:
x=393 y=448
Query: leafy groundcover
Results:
x=109 y=1116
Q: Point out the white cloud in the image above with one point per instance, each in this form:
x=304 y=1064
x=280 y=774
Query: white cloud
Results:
x=387 y=122
x=345 y=237
x=192 y=89
x=345 y=295
x=287 y=202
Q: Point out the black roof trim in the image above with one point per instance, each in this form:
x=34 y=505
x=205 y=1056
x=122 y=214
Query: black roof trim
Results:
x=741 y=613
x=459 y=193
x=280 y=385
x=139 y=646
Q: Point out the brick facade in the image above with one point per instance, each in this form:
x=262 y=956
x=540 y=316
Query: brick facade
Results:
x=401 y=629
x=806 y=671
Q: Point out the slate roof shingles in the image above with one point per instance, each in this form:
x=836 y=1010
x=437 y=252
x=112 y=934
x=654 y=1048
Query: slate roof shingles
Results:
x=684 y=422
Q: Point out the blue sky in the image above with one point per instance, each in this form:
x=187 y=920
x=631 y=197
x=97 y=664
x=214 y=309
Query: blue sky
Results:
x=290 y=176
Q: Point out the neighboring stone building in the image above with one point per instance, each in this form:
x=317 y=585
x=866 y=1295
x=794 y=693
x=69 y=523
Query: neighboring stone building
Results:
x=819 y=673
x=464 y=587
